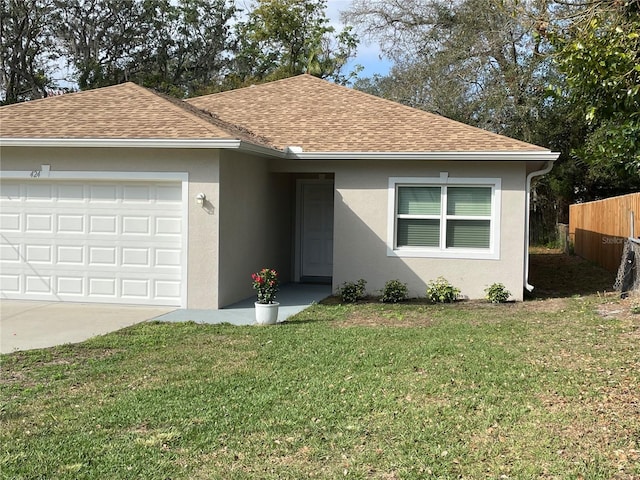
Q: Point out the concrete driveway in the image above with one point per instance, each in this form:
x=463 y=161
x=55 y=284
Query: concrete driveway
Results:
x=26 y=325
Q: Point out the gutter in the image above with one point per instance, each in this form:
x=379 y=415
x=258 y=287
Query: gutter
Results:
x=120 y=142
x=547 y=168
x=296 y=153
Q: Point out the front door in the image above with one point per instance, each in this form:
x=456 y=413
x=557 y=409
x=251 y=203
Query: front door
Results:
x=315 y=203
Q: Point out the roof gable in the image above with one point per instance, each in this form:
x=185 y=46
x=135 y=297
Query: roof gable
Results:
x=124 y=111
x=323 y=117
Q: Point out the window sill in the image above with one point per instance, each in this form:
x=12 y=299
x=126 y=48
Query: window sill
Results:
x=462 y=254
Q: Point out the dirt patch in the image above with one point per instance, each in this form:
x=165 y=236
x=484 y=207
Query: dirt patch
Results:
x=556 y=274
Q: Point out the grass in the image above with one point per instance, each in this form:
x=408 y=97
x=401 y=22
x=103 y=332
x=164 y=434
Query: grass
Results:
x=547 y=388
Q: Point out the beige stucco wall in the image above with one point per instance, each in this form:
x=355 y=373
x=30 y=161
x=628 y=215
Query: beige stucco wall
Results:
x=360 y=249
x=201 y=165
x=361 y=223
x=255 y=223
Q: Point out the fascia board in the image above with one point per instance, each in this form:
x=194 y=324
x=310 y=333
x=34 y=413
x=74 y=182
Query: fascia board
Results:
x=538 y=156
x=120 y=142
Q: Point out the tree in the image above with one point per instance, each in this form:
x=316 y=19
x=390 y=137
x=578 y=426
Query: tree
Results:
x=190 y=46
x=598 y=51
x=176 y=47
x=26 y=50
x=478 y=61
x=281 y=38
x=100 y=39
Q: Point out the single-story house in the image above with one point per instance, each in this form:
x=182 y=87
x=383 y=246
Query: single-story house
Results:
x=123 y=195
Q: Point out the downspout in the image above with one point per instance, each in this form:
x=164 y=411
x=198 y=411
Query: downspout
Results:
x=537 y=173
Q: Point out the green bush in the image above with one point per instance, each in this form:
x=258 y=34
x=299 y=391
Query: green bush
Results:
x=497 y=293
x=441 y=291
x=351 y=292
x=394 y=291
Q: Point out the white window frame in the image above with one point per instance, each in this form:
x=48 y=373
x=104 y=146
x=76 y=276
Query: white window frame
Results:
x=442 y=251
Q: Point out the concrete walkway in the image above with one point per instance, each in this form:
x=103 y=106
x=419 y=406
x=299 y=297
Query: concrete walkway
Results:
x=26 y=325
x=293 y=298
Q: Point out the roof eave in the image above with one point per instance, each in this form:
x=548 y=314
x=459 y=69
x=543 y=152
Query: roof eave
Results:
x=531 y=155
x=121 y=142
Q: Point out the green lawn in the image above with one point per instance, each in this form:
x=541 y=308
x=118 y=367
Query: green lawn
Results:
x=548 y=388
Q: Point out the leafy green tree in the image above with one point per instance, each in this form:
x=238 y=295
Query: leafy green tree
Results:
x=190 y=45
x=176 y=47
x=282 y=38
x=100 y=39
x=26 y=50
x=598 y=51
x=477 y=61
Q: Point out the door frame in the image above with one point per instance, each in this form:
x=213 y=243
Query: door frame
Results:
x=298 y=249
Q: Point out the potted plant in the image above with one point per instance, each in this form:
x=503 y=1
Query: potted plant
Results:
x=265 y=282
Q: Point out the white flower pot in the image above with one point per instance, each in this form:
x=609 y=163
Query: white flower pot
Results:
x=267 y=313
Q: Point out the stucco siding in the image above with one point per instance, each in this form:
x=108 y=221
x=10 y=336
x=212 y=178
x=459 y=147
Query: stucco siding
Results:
x=361 y=223
x=202 y=169
x=255 y=224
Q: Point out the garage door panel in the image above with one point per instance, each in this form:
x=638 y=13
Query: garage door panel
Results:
x=9 y=253
x=115 y=242
x=38 y=284
x=10 y=222
x=39 y=254
x=39 y=223
x=70 y=224
x=70 y=254
x=11 y=193
x=102 y=287
x=168 y=226
x=70 y=285
x=10 y=283
x=103 y=224
x=103 y=194
x=71 y=193
x=168 y=194
x=135 y=226
x=135 y=257
x=39 y=192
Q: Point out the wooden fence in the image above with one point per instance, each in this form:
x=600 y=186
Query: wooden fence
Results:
x=598 y=229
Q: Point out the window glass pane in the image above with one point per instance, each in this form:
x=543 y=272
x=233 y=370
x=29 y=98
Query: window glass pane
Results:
x=474 y=201
x=419 y=200
x=468 y=233
x=418 y=232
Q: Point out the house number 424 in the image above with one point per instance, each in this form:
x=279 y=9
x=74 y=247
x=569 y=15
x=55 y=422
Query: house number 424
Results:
x=35 y=173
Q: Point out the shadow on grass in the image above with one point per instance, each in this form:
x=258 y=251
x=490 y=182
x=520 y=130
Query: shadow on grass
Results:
x=555 y=274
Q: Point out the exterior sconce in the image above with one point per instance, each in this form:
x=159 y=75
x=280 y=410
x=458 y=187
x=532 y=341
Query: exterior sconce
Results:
x=200 y=198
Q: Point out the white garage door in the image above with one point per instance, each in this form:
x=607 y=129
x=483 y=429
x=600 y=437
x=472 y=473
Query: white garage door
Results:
x=106 y=242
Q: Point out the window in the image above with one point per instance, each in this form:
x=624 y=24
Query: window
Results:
x=444 y=217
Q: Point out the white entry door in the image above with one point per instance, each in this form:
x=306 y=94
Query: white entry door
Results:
x=92 y=241
x=316 y=228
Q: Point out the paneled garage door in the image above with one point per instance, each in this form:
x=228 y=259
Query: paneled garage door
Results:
x=106 y=242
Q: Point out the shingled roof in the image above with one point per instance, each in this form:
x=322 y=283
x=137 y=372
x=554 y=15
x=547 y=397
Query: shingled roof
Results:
x=124 y=111
x=301 y=111
x=320 y=116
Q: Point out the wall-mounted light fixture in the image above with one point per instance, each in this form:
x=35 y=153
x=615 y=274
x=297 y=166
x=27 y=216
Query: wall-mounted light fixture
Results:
x=200 y=198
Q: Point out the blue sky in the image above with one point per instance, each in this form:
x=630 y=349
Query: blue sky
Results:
x=368 y=52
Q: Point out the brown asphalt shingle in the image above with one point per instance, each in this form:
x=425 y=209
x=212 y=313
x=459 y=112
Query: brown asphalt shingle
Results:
x=323 y=117
x=121 y=111
x=299 y=111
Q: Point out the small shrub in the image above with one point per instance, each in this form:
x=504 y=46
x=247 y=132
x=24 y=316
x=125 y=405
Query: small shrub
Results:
x=441 y=291
x=394 y=291
x=351 y=292
x=497 y=293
